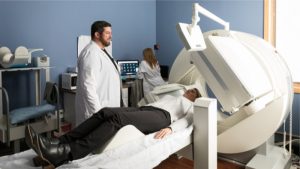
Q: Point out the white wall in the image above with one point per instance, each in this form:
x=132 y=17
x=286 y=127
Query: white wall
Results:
x=288 y=35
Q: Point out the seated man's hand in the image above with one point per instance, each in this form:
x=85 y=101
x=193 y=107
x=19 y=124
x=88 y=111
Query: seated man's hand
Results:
x=162 y=133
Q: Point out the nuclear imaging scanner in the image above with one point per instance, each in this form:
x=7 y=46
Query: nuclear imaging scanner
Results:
x=250 y=81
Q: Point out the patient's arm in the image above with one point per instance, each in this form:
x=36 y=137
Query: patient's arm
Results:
x=183 y=122
x=162 y=133
x=177 y=125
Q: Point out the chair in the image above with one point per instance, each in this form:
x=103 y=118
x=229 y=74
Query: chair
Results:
x=17 y=119
x=136 y=92
x=164 y=71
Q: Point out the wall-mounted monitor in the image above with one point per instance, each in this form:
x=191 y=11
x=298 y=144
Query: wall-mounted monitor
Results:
x=128 y=69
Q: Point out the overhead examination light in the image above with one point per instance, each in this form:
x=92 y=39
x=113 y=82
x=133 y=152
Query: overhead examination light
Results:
x=191 y=34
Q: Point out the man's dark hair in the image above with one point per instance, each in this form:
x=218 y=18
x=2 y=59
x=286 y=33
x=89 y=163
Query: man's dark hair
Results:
x=98 y=26
x=198 y=93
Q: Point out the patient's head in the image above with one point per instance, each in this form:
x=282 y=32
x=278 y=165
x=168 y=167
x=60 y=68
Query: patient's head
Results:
x=192 y=94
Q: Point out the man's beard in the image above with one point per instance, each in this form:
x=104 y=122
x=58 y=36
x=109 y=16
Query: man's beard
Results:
x=104 y=42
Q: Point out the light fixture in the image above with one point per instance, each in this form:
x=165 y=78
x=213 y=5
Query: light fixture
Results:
x=191 y=34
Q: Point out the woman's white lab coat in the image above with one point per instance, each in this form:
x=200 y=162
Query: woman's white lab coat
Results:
x=151 y=77
x=98 y=83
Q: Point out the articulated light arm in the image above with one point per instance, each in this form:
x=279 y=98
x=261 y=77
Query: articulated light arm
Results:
x=199 y=9
x=191 y=34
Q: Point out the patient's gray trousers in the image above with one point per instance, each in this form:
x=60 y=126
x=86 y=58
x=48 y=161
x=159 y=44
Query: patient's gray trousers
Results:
x=103 y=125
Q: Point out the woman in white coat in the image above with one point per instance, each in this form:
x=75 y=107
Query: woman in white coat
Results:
x=149 y=71
x=98 y=81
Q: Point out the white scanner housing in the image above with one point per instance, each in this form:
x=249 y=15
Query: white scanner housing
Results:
x=250 y=81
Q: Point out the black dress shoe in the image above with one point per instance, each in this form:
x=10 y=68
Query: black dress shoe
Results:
x=53 y=141
x=38 y=161
x=55 y=154
x=30 y=137
x=30 y=134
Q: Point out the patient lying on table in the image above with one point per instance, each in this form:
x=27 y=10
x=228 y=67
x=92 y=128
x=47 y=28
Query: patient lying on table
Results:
x=167 y=115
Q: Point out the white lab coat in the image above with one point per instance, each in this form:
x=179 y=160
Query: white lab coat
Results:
x=151 y=77
x=98 y=83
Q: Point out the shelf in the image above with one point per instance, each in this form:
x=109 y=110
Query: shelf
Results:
x=23 y=69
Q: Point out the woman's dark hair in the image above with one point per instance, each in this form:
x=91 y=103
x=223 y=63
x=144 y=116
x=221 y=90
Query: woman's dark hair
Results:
x=98 y=26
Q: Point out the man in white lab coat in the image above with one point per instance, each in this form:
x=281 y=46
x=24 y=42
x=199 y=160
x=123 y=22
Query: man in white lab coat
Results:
x=98 y=81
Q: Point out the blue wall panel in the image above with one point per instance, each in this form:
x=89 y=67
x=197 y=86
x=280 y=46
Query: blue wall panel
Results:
x=55 y=26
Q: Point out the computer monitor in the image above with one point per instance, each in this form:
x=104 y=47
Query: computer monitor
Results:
x=128 y=69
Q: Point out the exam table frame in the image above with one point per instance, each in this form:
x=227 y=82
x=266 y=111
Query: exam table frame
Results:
x=204 y=141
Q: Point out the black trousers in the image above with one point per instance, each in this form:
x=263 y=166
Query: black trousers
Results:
x=103 y=125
